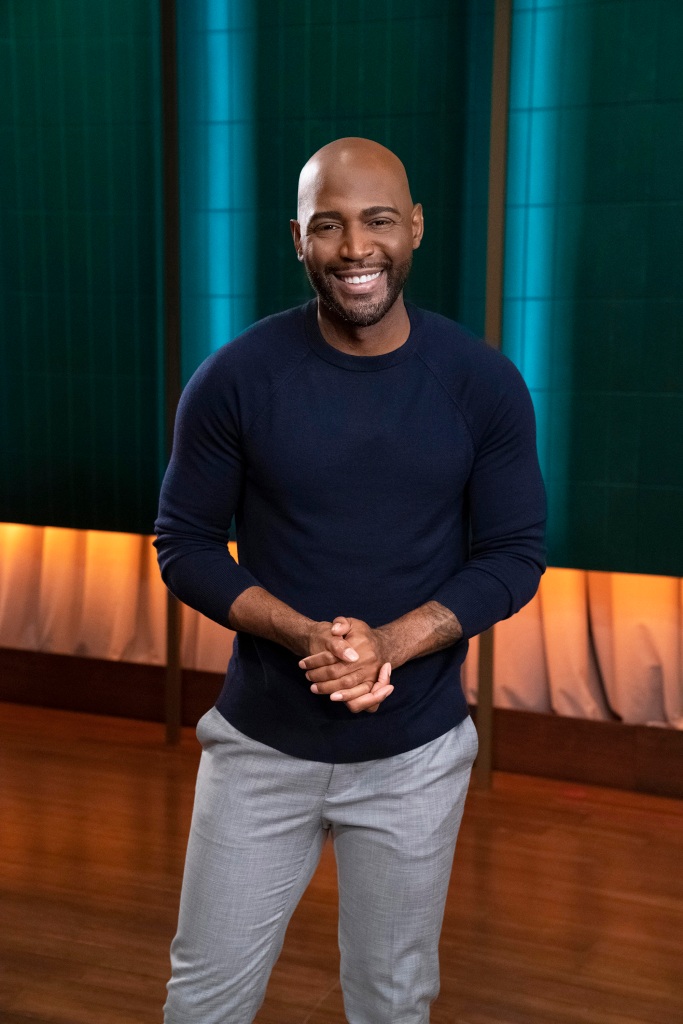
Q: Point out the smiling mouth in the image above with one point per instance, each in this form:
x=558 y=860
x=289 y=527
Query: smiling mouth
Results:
x=360 y=282
x=358 y=278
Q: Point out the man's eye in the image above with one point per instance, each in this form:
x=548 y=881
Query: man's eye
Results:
x=380 y=223
x=327 y=227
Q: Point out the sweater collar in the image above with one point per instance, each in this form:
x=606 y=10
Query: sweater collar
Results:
x=359 y=363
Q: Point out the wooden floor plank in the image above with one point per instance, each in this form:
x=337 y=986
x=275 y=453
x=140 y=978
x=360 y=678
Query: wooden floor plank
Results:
x=565 y=906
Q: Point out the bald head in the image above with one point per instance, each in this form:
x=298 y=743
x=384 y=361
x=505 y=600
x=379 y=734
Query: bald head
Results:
x=339 y=165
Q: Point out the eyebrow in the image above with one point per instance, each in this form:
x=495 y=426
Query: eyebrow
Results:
x=371 y=211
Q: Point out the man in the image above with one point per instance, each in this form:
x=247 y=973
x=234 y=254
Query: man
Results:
x=381 y=465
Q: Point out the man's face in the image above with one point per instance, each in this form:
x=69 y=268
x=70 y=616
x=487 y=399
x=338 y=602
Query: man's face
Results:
x=356 y=233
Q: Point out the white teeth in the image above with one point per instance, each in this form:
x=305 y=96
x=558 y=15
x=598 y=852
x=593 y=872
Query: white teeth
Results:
x=363 y=278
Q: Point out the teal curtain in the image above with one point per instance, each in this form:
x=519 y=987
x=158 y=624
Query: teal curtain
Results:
x=264 y=84
x=594 y=269
x=80 y=390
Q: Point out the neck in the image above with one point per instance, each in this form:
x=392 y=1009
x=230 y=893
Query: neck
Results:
x=386 y=335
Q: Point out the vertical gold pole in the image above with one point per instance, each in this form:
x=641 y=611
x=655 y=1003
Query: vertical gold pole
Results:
x=495 y=251
x=495 y=239
x=484 y=762
x=171 y=217
x=173 y=689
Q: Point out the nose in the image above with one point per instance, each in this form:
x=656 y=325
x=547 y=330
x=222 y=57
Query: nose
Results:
x=356 y=244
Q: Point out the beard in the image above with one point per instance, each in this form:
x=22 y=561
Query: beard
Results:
x=361 y=311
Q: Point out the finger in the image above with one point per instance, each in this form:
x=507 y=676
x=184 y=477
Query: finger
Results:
x=353 y=692
x=340 y=676
x=349 y=681
x=370 y=700
x=344 y=682
x=318 y=660
x=341 y=626
x=341 y=688
x=341 y=649
x=339 y=670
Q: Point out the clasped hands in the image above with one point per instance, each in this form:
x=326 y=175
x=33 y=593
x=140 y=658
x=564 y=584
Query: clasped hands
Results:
x=347 y=660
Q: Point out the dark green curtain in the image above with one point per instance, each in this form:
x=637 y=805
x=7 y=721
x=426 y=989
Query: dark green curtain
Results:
x=593 y=308
x=264 y=84
x=80 y=390
x=594 y=272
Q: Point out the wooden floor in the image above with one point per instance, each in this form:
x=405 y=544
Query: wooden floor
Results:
x=566 y=902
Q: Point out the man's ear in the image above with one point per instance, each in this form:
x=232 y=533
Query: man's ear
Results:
x=295 y=228
x=418 y=225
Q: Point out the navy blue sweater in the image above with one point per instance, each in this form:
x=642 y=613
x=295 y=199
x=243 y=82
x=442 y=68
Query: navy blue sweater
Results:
x=363 y=486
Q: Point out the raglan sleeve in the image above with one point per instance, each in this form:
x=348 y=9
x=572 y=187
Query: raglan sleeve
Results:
x=199 y=495
x=507 y=512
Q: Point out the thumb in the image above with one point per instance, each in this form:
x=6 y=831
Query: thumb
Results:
x=341 y=626
x=341 y=649
x=383 y=679
x=384 y=676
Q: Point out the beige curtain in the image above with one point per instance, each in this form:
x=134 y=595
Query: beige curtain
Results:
x=590 y=645
x=94 y=594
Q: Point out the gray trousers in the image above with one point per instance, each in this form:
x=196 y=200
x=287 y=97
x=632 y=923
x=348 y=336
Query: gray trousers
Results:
x=259 y=823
